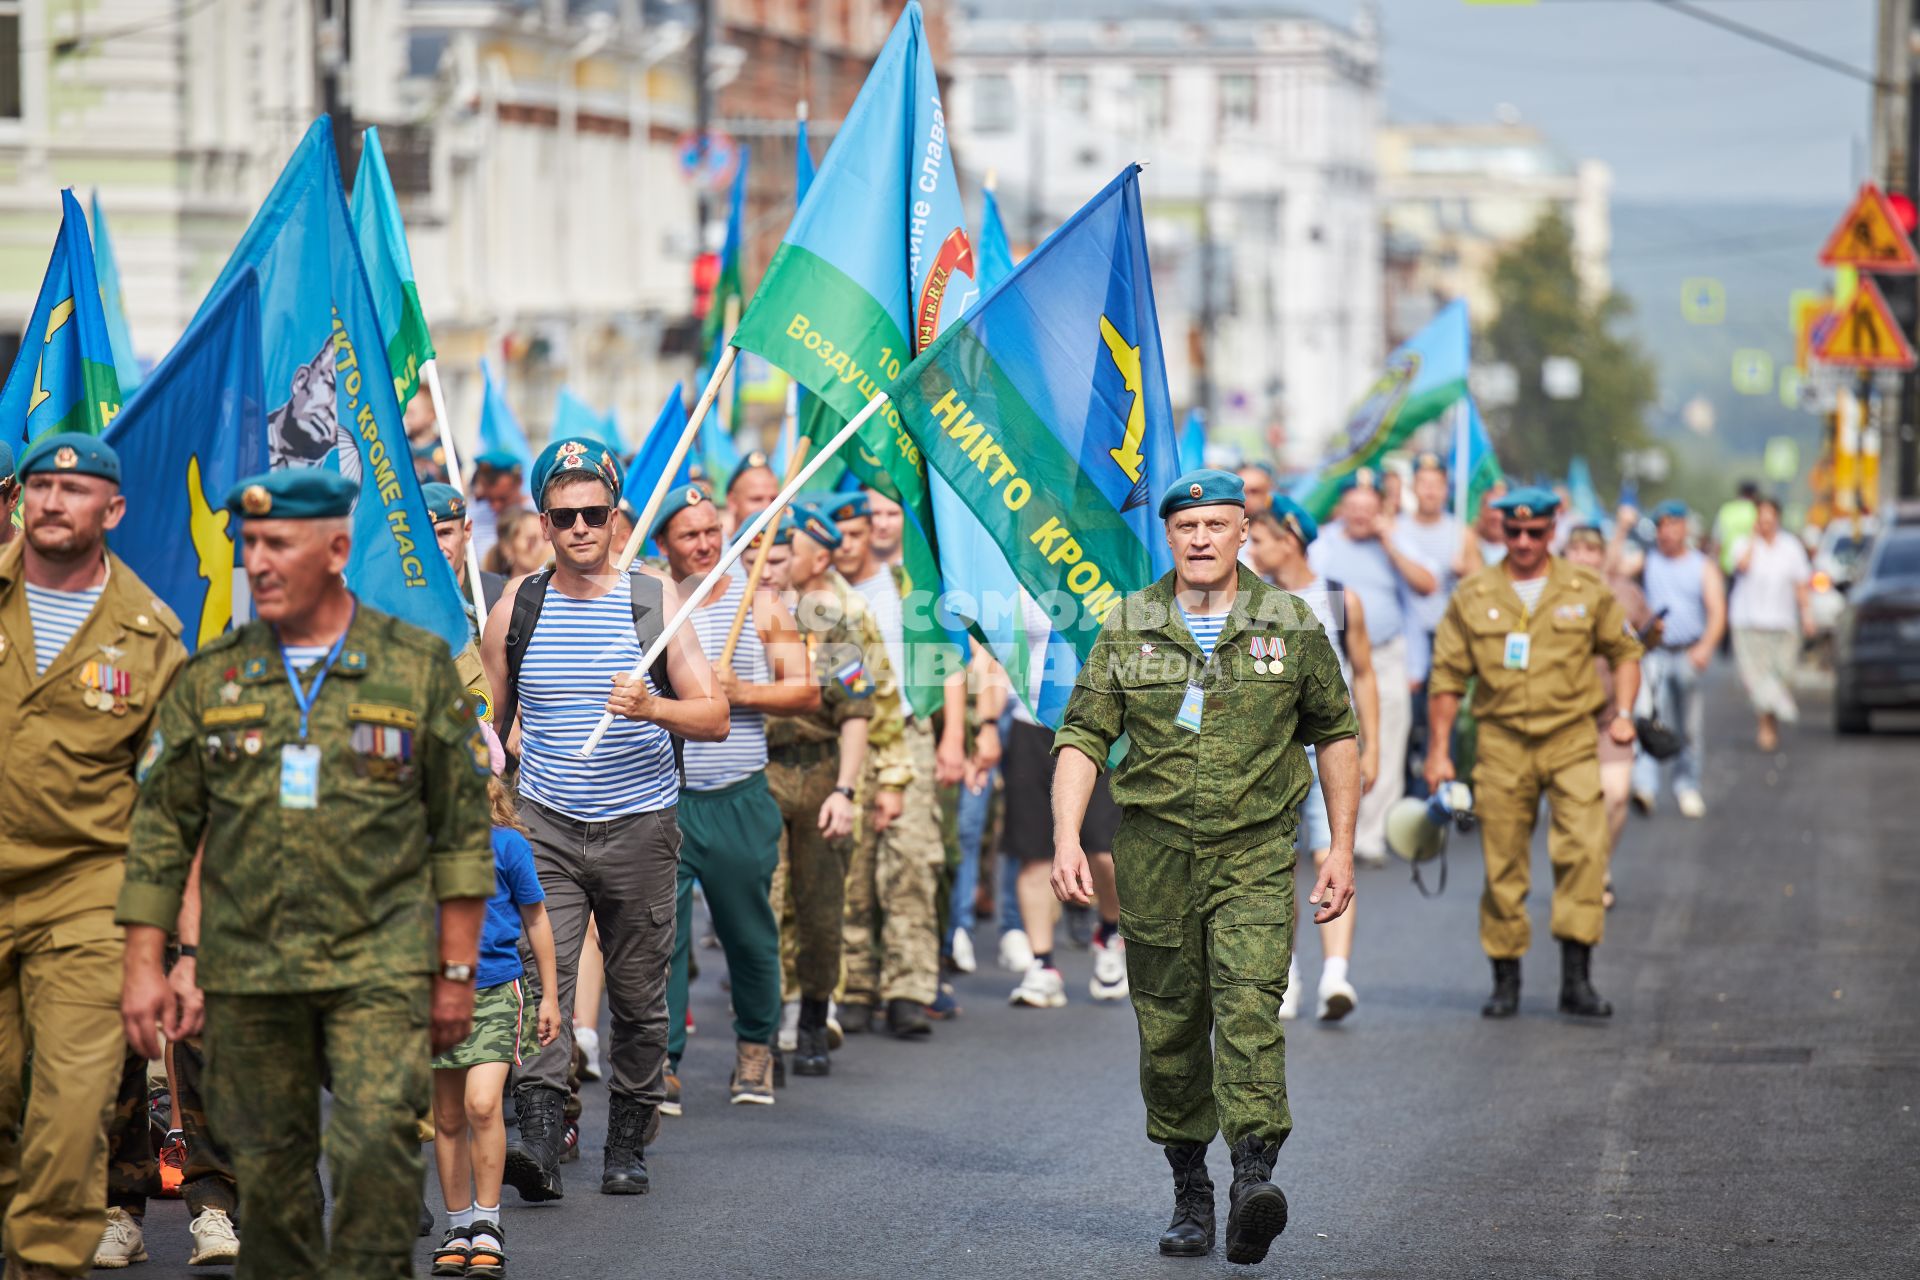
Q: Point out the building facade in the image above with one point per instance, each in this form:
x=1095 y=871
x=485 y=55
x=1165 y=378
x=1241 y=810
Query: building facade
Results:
x=1257 y=126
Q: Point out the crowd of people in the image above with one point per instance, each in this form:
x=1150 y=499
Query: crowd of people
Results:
x=412 y=890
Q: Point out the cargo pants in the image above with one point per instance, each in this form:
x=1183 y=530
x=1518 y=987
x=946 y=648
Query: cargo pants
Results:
x=810 y=884
x=892 y=932
x=1510 y=772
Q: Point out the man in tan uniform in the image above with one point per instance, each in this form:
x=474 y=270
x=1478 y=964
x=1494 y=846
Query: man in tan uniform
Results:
x=1529 y=628
x=86 y=650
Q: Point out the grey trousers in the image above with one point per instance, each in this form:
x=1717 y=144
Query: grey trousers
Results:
x=622 y=873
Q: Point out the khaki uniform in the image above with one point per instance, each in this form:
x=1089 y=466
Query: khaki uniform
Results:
x=318 y=934
x=1535 y=736
x=66 y=795
x=803 y=765
x=1204 y=854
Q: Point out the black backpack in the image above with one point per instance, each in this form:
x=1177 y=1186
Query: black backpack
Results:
x=649 y=620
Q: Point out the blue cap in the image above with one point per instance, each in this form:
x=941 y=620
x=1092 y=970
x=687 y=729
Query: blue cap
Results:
x=850 y=506
x=1203 y=488
x=1428 y=462
x=443 y=502
x=575 y=453
x=497 y=460
x=71 y=453
x=803 y=517
x=293 y=493
x=1360 y=478
x=1296 y=519
x=6 y=461
x=756 y=460
x=678 y=499
x=1671 y=509
x=1530 y=502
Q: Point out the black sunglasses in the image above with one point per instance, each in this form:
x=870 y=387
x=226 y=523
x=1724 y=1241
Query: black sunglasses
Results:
x=1527 y=532
x=562 y=517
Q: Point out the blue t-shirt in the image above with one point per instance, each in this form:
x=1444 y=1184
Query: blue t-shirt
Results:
x=516 y=885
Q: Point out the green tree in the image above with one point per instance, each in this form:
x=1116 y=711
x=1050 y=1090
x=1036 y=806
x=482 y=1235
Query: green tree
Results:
x=1544 y=312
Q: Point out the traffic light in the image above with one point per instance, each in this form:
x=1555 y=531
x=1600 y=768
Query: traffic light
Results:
x=706 y=275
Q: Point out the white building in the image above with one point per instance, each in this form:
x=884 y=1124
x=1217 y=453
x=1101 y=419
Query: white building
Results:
x=1257 y=125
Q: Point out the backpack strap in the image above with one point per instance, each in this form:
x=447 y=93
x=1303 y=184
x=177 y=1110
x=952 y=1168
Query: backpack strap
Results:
x=526 y=615
x=1337 y=601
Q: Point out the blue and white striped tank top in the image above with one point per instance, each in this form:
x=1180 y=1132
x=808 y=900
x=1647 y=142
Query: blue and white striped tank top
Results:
x=712 y=765
x=56 y=617
x=575 y=651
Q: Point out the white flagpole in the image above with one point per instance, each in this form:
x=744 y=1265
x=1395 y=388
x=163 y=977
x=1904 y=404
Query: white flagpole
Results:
x=1461 y=417
x=641 y=527
x=430 y=374
x=740 y=544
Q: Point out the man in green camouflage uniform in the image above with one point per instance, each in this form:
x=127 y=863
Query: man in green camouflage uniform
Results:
x=1220 y=682
x=815 y=763
x=341 y=797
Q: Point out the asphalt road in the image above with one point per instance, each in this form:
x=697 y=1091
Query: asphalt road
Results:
x=1749 y=1111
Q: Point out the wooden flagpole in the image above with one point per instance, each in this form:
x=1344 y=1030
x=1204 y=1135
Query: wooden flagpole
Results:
x=641 y=527
x=760 y=562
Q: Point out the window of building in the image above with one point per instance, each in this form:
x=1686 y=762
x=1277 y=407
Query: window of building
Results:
x=1150 y=91
x=9 y=59
x=1239 y=100
x=1074 y=91
x=993 y=105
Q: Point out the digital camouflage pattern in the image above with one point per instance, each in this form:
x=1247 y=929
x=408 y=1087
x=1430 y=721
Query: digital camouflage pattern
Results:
x=809 y=885
x=849 y=662
x=1204 y=856
x=133 y=1168
x=345 y=893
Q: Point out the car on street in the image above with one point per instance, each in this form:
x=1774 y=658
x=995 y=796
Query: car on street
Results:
x=1876 y=640
x=1836 y=558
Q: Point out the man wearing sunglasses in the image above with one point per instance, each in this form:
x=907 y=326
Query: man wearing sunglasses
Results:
x=558 y=650
x=1529 y=628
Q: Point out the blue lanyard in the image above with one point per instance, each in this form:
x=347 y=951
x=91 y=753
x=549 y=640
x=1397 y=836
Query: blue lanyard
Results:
x=305 y=698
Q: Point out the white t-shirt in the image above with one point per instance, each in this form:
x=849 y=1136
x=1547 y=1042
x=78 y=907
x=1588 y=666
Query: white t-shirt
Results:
x=1763 y=596
x=883 y=599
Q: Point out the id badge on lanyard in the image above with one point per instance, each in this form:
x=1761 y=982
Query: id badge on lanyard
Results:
x=1519 y=650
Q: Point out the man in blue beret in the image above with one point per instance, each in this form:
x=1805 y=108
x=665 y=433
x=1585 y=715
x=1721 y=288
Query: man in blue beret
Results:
x=327 y=761
x=1220 y=682
x=1528 y=630
x=559 y=649
x=751 y=489
x=498 y=485
x=9 y=494
x=86 y=650
x=1685 y=588
x=453 y=529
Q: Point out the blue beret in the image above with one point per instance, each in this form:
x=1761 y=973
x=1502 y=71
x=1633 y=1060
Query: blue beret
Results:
x=1530 y=502
x=6 y=462
x=1361 y=478
x=678 y=499
x=1428 y=462
x=73 y=454
x=625 y=507
x=1671 y=509
x=1297 y=519
x=1203 y=488
x=810 y=520
x=756 y=460
x=444 y=502
x=850 y=506
x=293 y=493
x=575 y=453
x=497 y=460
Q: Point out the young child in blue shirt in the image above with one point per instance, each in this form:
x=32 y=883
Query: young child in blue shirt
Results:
x=470 y=1079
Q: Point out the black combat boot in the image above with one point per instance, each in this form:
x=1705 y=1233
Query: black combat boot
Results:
x=1256 y=1210
x=1505 y=1000
x=856 y=1018
x=1190 y=1234
x=810 y=1047
x=1577 y=995
x=533 y=1157
x=625 y=1171
x=908 y=1018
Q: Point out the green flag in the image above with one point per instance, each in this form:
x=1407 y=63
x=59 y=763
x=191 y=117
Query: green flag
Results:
x=383 y=247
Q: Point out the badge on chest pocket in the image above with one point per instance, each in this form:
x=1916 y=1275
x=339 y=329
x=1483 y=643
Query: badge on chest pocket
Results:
x=1519 y=650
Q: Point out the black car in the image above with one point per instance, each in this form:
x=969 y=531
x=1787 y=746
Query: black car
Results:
x=1876 y=656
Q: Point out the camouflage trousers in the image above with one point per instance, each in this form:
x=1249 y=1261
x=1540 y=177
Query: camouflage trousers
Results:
x=267 y=1059
x=890 y=931
x=810 y=884
x=133 y=1171
x=1208 y=937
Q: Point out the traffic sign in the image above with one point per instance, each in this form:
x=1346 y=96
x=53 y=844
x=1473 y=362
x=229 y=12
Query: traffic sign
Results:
x=1869 y=238
x=709 y=159
x=1864 y=335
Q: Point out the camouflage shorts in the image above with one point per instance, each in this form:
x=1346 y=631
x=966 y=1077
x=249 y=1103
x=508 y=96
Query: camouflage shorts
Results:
x=503 y=1030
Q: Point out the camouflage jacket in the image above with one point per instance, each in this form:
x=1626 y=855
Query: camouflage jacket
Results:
x=340 y=894
x=1271 y=689
x=849 y=660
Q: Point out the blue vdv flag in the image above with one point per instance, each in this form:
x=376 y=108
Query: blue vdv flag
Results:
x=995 y=256
x=195 y=430
x=64 y=377
x=1193 y=441
x=113 y=299
x=500 y=431
x=329 y=388
x=573 y=416
x=648 y=464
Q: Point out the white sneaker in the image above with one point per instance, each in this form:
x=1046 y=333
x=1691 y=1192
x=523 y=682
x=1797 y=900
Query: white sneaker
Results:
x=1109 y=969
x=589 y=1041
x=835 y=1035
x=121 y=1244
x=1041 y=987
x=789 y=1026
x=1691 y=805
x=1337 y=999
x=1016 y=953
x=962 y=952
x=1290 y=1002
x=214 y=1239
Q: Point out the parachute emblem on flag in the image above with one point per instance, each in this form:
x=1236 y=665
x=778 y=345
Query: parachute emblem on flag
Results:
x=1374 y=416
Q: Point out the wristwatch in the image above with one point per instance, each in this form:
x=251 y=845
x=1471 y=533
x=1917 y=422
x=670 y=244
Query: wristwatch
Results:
x=457 y=972
x=844 y=791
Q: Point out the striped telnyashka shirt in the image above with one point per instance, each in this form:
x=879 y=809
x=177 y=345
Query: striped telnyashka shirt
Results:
x=712 y=765
x=56 y=616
